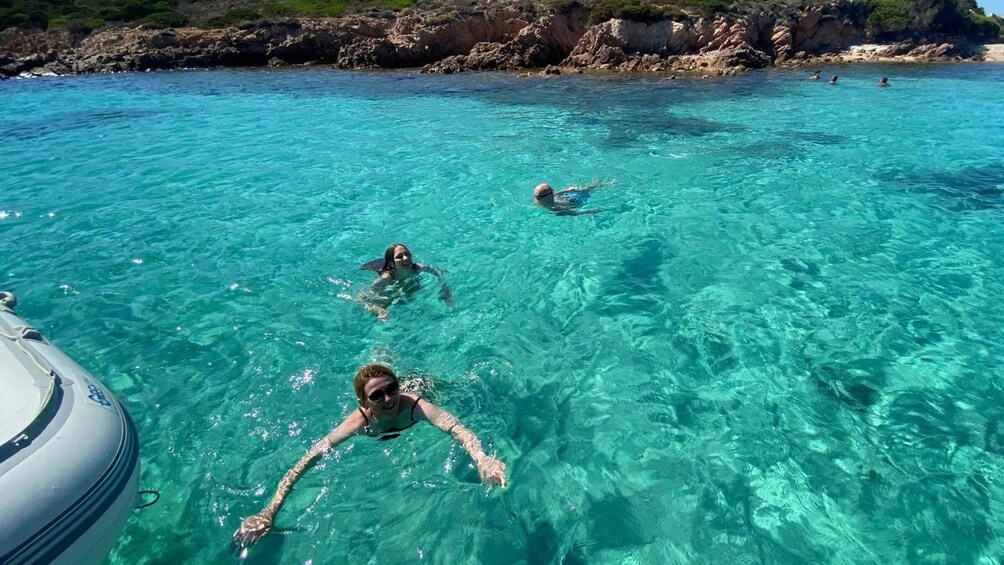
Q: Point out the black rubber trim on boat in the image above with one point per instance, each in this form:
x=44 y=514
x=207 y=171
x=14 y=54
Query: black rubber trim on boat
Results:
x=42 y=420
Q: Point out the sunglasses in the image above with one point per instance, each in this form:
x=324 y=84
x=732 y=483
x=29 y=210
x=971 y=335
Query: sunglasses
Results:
x=389 y=390
x=542 y=196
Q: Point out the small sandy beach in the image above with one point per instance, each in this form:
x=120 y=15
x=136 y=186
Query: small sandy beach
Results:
x=995 y=53
x=878 y=53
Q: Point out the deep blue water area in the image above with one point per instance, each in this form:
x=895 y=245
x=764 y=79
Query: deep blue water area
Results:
x=780 y=341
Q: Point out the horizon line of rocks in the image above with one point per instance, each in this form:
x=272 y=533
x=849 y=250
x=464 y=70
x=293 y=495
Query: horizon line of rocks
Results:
x=504 y=39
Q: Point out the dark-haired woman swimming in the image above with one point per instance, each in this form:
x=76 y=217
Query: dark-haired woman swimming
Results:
x=398 y=280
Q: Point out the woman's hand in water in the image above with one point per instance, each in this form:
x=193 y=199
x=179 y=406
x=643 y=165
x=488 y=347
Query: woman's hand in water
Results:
x=446 y=295
x=380 y=311
x=252 y=529
x=492 y=471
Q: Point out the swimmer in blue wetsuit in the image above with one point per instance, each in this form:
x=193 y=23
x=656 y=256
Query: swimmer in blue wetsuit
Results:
x=564 y=202
x=384 y=412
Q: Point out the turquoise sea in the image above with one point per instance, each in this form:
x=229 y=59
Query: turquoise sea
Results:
x=781 y=341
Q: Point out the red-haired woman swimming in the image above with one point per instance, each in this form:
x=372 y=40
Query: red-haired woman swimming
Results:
x=384 y=412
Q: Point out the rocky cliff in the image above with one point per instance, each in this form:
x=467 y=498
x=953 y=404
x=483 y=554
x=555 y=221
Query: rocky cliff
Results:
x=503 y=39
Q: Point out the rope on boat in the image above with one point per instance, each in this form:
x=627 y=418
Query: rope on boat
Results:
x=156 y=497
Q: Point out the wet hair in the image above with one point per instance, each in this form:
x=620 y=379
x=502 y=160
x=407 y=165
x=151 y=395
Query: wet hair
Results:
x=388 y=257
x=368 y=373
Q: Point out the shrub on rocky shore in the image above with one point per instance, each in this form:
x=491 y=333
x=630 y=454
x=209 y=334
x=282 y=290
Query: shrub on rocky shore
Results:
x=922 y=19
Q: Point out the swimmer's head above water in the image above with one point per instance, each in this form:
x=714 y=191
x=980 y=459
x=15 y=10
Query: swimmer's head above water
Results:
x=377 y=388
x=397 y=256
x=543 y=194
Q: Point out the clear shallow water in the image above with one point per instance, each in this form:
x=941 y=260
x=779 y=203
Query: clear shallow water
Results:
x=780 y=342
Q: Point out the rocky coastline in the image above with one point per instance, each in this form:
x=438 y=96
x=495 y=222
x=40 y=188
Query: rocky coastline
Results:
x=562 y=41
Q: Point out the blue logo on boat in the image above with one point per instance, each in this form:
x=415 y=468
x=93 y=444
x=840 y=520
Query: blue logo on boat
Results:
x=97 y=395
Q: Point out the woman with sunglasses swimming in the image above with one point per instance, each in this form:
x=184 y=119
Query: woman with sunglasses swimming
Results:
x=398 y=280
x=384 y=412
x=564 y=202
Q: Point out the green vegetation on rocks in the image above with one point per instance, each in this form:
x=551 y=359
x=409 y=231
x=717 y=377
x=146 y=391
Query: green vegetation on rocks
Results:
x=881 y=20
x=921 y=19
x=304 y=8
x=709 y=7
x=639 y=10
x=86 y=15
x=648 y=11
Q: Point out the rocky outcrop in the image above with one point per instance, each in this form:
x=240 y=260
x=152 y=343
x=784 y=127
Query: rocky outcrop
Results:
x=414 y=42
x=498 y=39
x=817 y=30
x=541 y=43
x=820 y=30
x=349 y=43
x=703 y=45
x=939 y=52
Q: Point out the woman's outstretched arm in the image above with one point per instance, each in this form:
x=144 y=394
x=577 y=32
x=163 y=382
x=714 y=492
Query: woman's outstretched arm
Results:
x=445 y=294
x=254 y=527
x=491 y=470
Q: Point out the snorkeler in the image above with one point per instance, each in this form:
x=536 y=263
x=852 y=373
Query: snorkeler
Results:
x=397 y=280
x=564 y=202
x=384 y=412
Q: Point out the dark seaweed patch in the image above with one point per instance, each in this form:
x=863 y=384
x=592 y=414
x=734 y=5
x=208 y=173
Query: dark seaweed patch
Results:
x=544 y=416
x=91 y=119
x=542 y=543
x=637 y=285
x=973 y=188
x=614 y=522
x=801 y=267
x=848 y=386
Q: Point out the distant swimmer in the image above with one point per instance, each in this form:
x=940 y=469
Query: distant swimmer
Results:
x=815 y=75
x=398 y=280
x=833 y=80
x=883 y=82
x=564 y=202
x=384 y=412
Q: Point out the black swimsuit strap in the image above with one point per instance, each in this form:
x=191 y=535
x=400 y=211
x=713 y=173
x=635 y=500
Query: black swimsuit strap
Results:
x=413 y=406
x=393 y=432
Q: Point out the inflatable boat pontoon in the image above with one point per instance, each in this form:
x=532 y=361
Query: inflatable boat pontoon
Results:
x=69 y=457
